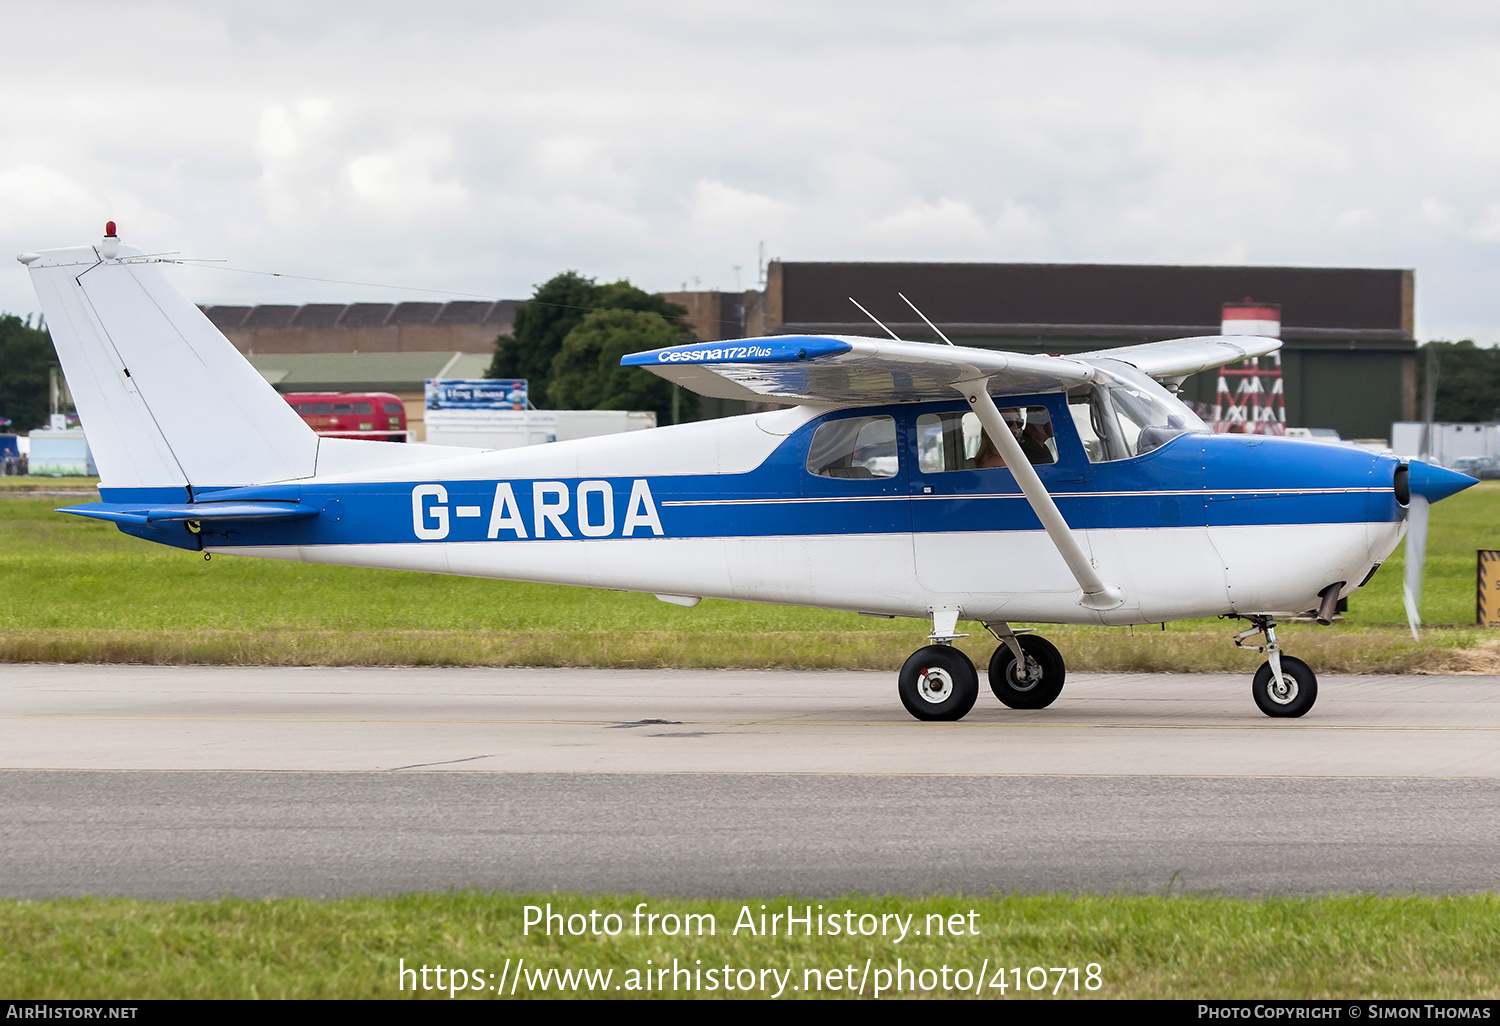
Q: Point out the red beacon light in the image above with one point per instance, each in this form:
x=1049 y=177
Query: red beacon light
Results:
x=109 y=229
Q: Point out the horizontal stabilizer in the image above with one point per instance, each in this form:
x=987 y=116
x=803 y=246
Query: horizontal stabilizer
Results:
x=127 y=513
x=852 y=369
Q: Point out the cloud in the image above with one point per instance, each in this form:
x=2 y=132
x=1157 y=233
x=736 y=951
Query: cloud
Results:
x=717 y=208
x=401 y=181
x=34 y=199
x=946 y=226
x=299 y=161
x=482 y=147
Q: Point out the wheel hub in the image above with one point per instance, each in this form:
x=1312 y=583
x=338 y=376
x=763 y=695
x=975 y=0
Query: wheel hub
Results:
x=1027 y=678
x=934 y=684
x=1284 y=692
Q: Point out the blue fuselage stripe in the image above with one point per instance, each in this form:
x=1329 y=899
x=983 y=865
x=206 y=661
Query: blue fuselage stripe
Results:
x=1193 y=481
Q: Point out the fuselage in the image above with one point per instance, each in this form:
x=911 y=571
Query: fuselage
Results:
x=1202 y=525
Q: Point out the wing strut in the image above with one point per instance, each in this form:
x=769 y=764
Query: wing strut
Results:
x=1097 y=594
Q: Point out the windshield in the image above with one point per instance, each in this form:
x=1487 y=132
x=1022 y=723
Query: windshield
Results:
x=1134 y=414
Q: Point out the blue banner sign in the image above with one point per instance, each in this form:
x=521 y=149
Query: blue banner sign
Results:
x=476 y=394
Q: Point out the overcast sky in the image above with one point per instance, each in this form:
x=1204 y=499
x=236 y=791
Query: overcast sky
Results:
x=483 y=147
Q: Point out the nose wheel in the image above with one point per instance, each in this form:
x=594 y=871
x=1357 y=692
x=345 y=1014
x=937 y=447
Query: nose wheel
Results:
x=1283 y=687
x=1291 y=696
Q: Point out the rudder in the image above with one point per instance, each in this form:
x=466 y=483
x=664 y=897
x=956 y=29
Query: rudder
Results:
x=166 y=399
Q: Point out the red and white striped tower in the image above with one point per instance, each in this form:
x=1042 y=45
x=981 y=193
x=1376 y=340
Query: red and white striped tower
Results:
x=1258 y=405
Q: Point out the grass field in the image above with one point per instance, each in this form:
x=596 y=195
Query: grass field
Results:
x=1143 y=947
x=78 y=590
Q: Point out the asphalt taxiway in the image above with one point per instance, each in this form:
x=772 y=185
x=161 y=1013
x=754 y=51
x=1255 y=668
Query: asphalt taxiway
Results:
x=198 y=781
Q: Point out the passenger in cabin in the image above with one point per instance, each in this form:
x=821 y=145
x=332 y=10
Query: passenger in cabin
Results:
x=987 y=456
x=1034 y=435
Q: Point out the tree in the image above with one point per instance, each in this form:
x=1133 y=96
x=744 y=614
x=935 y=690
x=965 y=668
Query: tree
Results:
x=586 y=373
x=556 y=308
x=26 y=356
x=1468 y=381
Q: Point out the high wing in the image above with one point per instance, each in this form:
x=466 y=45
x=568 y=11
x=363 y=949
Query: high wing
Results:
x=853 y=369
x=1175 y=359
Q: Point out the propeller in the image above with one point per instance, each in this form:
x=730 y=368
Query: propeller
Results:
x=1423 y=484
x=1416 y=560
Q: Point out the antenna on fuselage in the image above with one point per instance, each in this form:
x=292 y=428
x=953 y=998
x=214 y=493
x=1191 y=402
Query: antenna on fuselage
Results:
x=877 y=320
x=920 y=314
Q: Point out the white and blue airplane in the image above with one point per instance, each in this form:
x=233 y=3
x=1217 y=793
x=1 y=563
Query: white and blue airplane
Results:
x=905 y=479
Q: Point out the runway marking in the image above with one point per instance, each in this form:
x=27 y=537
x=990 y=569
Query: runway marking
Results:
x=445 y=762
x=914 y=725
x=756 y=773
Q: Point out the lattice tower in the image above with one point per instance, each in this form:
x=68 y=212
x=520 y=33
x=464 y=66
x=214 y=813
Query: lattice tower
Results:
x=1257 y=406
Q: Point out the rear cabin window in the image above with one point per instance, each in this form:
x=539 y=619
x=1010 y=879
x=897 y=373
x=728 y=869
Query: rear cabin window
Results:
x=956 y=441
x=855 y=447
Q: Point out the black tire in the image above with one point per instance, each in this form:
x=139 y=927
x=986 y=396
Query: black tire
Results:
x=938 y=683
x=1016 y=691
x=1300 y=694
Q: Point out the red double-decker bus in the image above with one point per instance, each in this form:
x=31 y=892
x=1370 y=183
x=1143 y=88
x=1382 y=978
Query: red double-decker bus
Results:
x=375 y=415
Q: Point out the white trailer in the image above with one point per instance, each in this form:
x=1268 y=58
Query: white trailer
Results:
x=1448 y=442
x=511 y=429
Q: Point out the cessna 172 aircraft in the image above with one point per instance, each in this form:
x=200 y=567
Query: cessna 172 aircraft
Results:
x=902 y=479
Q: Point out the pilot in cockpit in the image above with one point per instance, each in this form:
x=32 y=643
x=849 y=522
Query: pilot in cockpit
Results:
x=1036 y=439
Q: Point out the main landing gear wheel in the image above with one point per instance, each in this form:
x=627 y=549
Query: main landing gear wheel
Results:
x=1038 y=684
x=1293 y=697
x=938 y=683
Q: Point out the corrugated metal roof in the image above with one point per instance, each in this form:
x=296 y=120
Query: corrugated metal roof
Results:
x=414 y=313
x=318 y=315
x=363 y=315
x=270 y=317
x=366 y=315
x=464 y=312
x=227 y=317
x=504 y=312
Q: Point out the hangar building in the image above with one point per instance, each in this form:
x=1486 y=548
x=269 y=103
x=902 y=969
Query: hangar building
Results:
x=1349 y=361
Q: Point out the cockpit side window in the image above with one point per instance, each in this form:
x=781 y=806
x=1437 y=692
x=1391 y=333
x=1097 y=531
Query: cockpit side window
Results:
x=854 y=447
x=956 y=440
x=1089 y=420
x=1127 y=414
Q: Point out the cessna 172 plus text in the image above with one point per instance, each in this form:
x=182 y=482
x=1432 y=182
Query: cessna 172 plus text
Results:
x=902 y=479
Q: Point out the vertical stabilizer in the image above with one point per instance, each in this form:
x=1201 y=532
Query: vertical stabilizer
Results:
x=166 y=399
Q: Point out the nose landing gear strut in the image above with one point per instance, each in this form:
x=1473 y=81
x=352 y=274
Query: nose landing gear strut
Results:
x=1283 y=686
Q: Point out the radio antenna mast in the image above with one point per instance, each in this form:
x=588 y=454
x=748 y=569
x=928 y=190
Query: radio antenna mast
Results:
x=877 y=320
x=920 y=314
